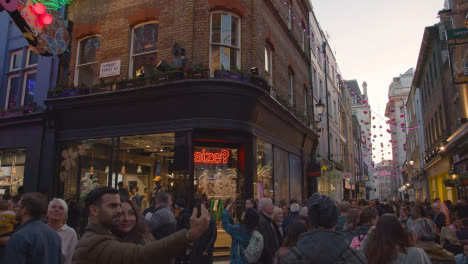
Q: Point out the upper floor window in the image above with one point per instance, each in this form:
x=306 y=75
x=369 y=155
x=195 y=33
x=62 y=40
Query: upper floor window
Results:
x=291 y=88
x=269 y=64
x=86 y=69
x=21 y=86
x=304 y=38
x=306 y=96
x=15 y=60
x=144 y=49
x=224 y=42
x=288 y=17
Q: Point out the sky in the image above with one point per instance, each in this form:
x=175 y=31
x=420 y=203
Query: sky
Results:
x=376 y=40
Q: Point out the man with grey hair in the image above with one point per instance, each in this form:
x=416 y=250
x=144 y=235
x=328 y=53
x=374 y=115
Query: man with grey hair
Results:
x=291 y=217
x=266 y=228
x=424 y=234
x=439 y=217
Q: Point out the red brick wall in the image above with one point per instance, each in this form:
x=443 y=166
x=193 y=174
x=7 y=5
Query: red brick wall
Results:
x=188 y=23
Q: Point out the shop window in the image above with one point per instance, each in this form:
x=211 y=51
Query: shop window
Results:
x=144 y=50
x=295 y=177
x=224 y=42
x=263 y=183
x=281 y=176
x=32 y=58
x=12 y=163
x=291 y=88
x=13 y=93
x=269 y=64
x=87 y=67
x=15 y=60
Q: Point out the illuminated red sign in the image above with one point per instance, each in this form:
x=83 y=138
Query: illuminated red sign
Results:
x=211 y=157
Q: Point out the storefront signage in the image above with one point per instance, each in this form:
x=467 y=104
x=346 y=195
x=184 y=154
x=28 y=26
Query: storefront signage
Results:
x=454 y=34
x=111 y=68
x=211 y=157
x=346 y=175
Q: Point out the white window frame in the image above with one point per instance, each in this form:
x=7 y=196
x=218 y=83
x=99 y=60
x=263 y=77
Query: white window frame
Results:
x=23 y=95
x=130 y=63
x=239 y=34
x=291 y=87
x=269 y=63
x=12 y=55
x=306 y=95
x=78 y=51
x=28 y=52
x=8 y=88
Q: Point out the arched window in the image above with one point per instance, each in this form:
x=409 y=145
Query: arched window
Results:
x=224 y=42
x=144 y=49
x=86 y=68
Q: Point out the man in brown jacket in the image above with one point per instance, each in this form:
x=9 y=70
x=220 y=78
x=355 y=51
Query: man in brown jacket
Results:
x=98 y=245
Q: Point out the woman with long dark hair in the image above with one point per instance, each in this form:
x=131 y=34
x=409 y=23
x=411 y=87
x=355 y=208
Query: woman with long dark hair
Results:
x=131 y=228
x=240 y=233
x=389 y=243
x=300 y=226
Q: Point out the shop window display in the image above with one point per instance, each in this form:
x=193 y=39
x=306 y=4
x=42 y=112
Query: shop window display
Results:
x=281 y=175
x=263 y=183
x=12 y=163
x=295 y=186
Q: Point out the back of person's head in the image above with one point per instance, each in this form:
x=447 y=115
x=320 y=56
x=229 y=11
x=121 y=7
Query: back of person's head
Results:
x=344 y=207
x=323 y=211
x=352 y=220
x=362 y=203
x=448 y=235
x=424 y=230
x=465 y=222
x=294 y=208
x=304 y=211
x=298 y=227
x=389 y=235
x=35 y=204
x=367 y=216
x=416 y=212
x=3 y=205
x=263 y=203
x=94 y=196
x=163 y=198
x=251 y=218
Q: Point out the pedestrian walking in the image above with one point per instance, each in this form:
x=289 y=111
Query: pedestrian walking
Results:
x=300 y=226
x=291 y=217
x=73 y=215
x=136 y=197
x=405 y=218
x=99 y=246
x=131 y=227
x=351 y=227
x=323 y=245
x=266 y=228
x=456 y=224
x=368 y=218
x=203 y=247
x=161 y=222
x=277 y=218
x=35 y=242
x=343 y=210
x=241 y=234
x=56 y=214
x=424 y=233
x=450 y=242
x=439 y=216
x=123 y=191
x=388 y=242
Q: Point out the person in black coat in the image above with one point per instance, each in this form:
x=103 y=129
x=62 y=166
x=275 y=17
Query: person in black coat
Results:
x=266 y=228
x=202 y=251
x=291 y=217
x=439 y=217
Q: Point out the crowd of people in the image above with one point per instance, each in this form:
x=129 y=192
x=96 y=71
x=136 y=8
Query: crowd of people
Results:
x=120 y=230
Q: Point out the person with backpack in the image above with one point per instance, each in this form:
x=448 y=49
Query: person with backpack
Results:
x=368 y=218
x=247 y=242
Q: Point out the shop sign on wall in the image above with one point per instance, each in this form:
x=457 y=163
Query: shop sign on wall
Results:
x=204 y=157
x=111 y=68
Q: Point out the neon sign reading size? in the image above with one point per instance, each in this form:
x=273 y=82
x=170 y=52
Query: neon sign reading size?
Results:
x=210 y=157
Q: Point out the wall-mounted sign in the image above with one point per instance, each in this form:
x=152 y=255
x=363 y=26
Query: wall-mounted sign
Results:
x=111 y=68
x=211 y=157
x=346 y=175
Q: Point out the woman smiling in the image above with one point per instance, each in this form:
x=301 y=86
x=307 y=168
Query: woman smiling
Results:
x=131 y=227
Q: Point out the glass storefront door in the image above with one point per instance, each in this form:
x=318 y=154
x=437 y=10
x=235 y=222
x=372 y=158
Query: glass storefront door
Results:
x=12 y=163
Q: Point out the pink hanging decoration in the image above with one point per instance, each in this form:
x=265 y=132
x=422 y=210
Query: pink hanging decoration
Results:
x=365 y=111
x=393 y=119
x=374 y=126
x=402 y=124
x=373 y=117
x=402 y=115
x=391 y=100
x=392 y=110
x=362 y=120
x=364 y=101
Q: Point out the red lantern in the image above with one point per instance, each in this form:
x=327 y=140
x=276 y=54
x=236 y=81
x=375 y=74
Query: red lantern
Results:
x=402 y=124
x=46 y=19
x=364 y=101
x=373 y=117
x=362 y=120
x=366 y=123
x=365 y=111
x=393 y=119
x=39 y=9
x=374 y=126
x=368 y=149
x=391 y=100
x=402 y=115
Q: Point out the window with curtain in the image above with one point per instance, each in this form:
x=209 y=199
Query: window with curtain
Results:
x=224 y=42
x=144 y=49
x=86 y=70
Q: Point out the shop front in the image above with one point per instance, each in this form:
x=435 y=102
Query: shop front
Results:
x=438 y=173
x=233 y=142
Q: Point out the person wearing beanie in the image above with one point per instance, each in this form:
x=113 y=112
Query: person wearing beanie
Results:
x=323 y=245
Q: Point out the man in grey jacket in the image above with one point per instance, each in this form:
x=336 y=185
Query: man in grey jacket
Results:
x=161 y=221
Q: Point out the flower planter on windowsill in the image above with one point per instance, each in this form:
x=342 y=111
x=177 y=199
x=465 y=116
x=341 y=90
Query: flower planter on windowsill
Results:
x=162 y=77
x=103 y=87
x=131 y=84
x=237 y=76
x=12 y=113
x=197 y=75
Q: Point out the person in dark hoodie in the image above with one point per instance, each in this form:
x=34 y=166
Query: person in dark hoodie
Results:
x=323 y=245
